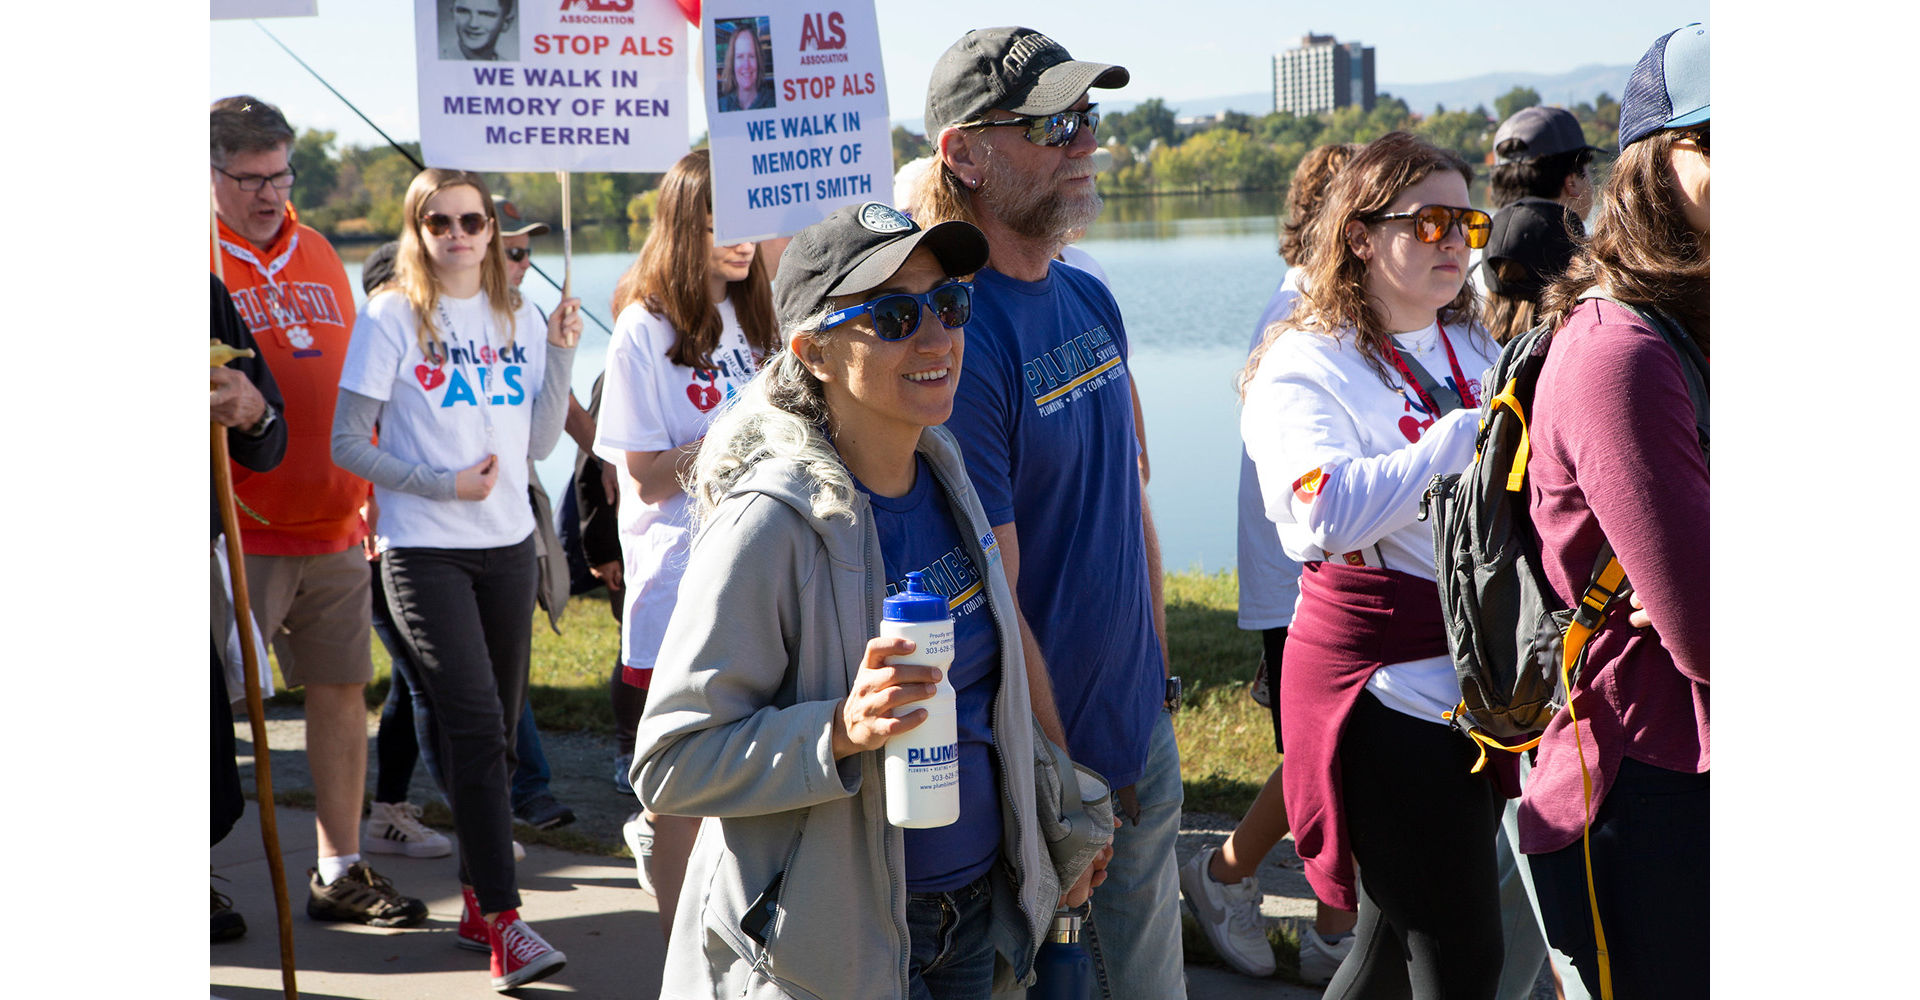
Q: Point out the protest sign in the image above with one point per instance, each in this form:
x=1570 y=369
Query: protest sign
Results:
x=552 y=84
x=796 y=112
x=229 y=10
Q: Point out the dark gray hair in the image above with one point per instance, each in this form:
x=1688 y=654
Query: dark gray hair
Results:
x=245 y=124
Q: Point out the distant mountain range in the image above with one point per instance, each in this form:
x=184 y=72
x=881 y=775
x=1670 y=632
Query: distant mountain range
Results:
x=1567 y=88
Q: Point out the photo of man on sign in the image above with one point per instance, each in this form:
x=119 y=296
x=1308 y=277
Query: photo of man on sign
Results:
x=478 y=30
x=745 y=56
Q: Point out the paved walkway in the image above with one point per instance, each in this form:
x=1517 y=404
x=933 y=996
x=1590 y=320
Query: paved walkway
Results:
x=586 y=905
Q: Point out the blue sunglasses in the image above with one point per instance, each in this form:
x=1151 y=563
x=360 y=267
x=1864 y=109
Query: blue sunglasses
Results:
x=897 y=316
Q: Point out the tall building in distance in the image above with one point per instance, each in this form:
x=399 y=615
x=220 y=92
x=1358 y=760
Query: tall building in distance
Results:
x=1322 y=74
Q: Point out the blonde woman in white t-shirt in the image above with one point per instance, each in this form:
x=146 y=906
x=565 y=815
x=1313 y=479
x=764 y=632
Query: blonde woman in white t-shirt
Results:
x=692 y=321
x=451 y=364
x=1352 y=405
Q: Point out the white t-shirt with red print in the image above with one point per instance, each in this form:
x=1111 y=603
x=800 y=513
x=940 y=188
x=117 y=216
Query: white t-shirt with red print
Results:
x=450 y=411
x=1343 y=459
x=651 y=404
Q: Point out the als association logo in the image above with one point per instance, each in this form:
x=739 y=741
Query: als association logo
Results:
x=598 y=6
x=828 y=32
x=1308 y=486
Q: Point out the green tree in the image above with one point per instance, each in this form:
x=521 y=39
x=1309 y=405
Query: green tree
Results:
x=1150 y=120
x=1283 y=128
x=1461 y=131
x=908 y=146
x=1513 y=100
x=313 y=163
x=1218 y=159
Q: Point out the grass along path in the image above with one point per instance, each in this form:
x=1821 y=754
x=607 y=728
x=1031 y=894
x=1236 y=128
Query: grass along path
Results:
x=1226 y=741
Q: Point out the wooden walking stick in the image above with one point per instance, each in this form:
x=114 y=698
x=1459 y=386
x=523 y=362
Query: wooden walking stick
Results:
x=220 y=354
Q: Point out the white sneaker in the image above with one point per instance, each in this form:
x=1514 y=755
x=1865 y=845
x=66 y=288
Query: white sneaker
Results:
x=395 y=828
x=1320 y=960
x=519 y=852
x=622 y=763
x=639 y=834
x=1229 y=913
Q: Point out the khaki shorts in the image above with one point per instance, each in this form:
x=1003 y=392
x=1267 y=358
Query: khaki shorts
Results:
x=317 y=614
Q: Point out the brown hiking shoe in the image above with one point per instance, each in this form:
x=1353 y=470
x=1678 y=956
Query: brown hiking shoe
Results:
x=362 y=896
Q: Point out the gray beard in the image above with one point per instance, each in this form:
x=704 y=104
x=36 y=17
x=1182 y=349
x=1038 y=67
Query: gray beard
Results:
x=1032 y=211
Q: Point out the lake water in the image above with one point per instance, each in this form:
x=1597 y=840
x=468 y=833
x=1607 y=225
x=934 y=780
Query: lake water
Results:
x=1191 y=275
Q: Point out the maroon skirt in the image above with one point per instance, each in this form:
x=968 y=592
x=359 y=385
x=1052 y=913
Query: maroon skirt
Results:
x=1352 y=620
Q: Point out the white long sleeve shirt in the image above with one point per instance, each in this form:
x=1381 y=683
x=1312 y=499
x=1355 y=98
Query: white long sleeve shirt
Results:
x=1343 y=459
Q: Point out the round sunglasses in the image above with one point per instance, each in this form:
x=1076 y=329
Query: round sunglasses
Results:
x=1432 y=222
x=1057 y=129
x=897 y=316
x=439 y=224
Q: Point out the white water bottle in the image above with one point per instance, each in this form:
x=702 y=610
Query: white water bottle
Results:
x=923 y=764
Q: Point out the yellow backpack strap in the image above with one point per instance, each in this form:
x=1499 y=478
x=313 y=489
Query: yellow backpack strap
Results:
x=1482 y=741
x=1605 y=587
x=1517 y=475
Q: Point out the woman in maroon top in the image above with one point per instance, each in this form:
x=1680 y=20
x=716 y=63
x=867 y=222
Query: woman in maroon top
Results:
x=1620 y=455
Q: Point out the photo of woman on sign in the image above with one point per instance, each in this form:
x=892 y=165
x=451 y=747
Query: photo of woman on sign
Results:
x=746 y=65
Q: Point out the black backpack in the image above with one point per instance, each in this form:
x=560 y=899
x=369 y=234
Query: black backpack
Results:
x=1517 y=650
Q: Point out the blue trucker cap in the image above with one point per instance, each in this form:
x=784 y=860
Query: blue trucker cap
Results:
x=1669 y=87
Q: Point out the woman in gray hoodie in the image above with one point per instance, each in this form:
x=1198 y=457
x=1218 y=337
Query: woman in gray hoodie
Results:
x=818 y=489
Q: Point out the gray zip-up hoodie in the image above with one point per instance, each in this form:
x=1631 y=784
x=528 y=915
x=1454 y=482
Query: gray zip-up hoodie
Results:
x=773 y=616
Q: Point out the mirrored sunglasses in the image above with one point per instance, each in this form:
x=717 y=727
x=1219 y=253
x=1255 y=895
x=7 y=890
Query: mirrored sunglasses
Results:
x=897 y=316
x=1047 y=130
x=1431 y=223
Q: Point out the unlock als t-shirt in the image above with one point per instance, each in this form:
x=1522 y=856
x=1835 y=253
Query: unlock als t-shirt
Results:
x=649 y=403
x=918 y=534
x=448 y=412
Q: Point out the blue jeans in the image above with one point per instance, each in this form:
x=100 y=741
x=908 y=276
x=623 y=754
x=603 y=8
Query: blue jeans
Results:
x=950 y=954
x=1133 y=934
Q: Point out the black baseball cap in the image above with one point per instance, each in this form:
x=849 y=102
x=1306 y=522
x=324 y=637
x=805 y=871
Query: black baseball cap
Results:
x=1541 y=131
x=511 y=224
x=1536 y=233
x=858 y=248
x=1013 y=69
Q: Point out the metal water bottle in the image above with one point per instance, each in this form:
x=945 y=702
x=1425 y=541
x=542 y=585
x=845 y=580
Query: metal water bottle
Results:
x=923 y=764
x=1063 y=968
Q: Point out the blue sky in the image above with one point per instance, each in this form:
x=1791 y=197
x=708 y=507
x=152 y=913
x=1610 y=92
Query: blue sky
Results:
x=365 y=47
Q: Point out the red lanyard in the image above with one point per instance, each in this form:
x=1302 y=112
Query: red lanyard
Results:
x=1459 y=378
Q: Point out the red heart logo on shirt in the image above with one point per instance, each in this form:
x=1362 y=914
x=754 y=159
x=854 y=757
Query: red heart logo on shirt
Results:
x=704 y=397
x=430 y=376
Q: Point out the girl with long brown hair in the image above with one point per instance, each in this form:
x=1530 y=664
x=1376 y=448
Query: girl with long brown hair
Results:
x=1620 y=458
x=1352 y=405
x=692 y=321
x=452 y=367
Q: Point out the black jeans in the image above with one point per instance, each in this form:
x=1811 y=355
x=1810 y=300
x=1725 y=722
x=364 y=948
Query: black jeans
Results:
x=1423 y=837
x=466 y=618
x=1650 y=862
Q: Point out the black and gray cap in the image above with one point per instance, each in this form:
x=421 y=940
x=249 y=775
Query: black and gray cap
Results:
x=1539 y=131
x=1013 y=69
x=858 y=248
x=511 y=224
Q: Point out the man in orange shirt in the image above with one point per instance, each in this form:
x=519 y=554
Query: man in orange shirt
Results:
x=301 y=523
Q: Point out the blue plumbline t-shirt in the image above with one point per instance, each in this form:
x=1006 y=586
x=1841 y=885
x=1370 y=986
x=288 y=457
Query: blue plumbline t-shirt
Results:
x=918 y=534
x=1044 y=417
